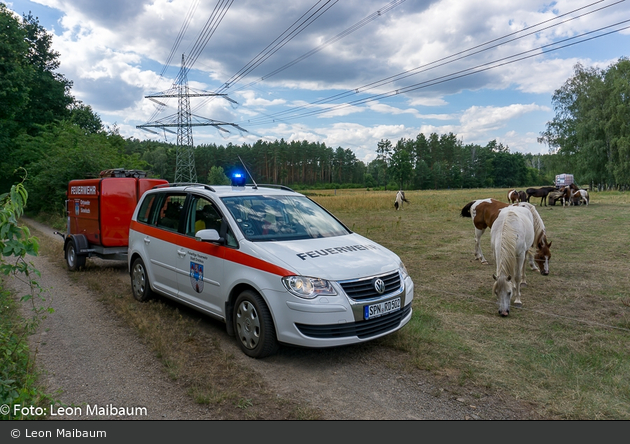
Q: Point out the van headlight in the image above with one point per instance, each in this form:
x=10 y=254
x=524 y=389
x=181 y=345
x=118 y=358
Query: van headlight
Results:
x=308 y=287
x=403 y=269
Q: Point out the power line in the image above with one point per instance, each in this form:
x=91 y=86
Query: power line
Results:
x=445 y=60
x=279 y=42
x=180 y=35
x=459 y=74
x=385 y=9
x=211 y=26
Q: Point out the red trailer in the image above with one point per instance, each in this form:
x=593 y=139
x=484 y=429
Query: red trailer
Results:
x=99 y=213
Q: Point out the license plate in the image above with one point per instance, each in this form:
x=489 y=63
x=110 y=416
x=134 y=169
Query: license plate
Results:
x=380 y=309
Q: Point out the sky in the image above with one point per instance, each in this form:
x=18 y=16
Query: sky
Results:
x=347 y=73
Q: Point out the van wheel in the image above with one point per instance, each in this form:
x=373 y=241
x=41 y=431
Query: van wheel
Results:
x=140 y=285
x=74 y=261
x=254 y=326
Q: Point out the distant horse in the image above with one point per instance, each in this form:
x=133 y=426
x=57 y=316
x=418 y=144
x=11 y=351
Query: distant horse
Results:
x=484 y=212
x=539 y=192
x=554 y=197
x=512 y=196
x=569 y=197
x=522 y=196
x=400 y=198
x=580 y=196
x=511 y=237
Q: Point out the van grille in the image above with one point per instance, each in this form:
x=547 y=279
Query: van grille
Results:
x=362 y=329
x=361 y=289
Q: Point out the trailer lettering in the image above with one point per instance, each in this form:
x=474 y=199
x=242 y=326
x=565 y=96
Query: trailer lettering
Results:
x=83 y=189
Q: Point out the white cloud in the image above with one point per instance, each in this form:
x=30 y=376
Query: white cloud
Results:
x=480 y=120
x=114 y=52
x=252 y=100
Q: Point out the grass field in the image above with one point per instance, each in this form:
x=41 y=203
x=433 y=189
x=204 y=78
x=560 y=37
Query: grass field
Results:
x=567 y=350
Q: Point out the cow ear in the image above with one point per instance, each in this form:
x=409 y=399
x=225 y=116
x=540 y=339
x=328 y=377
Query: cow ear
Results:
x=549 y=244
x=494 y=276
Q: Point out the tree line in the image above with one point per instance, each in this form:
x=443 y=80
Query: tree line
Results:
x=55 y=138
x=590 y=133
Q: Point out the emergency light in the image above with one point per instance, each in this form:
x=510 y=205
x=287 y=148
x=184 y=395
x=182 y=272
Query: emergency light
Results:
x=238 y=180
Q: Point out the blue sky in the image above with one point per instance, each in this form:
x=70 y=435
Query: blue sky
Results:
x=299 y=69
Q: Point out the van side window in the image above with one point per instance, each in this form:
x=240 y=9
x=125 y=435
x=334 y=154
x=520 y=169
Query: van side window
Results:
x=203 y=215
x=143 y=212
x=170 y=212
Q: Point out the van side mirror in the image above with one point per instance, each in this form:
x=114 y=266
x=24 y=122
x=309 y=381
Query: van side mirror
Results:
x=210 y=235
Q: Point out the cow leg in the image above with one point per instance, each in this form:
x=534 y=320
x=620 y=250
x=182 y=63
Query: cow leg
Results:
x=478 y=253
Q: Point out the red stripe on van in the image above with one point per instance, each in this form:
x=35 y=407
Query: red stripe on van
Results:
x=210 y=249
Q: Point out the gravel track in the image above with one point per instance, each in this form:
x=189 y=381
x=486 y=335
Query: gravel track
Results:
x=89 y=357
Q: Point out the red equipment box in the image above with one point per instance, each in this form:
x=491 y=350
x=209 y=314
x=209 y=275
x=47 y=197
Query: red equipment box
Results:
x=101 y=209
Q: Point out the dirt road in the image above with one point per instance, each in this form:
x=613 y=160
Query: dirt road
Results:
x=90 y=357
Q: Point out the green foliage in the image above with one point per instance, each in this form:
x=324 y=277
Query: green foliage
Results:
x=17 y=373
x=590 y=130
x=216 y=176
x=32 y=93
x=64 y=152
x=15 y=71
x=83 y=116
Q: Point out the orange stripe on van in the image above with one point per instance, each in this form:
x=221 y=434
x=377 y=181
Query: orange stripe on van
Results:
x=210 y=249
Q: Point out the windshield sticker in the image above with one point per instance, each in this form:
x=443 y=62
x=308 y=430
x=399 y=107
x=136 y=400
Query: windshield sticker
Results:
x=336 y=250
x=196 y=276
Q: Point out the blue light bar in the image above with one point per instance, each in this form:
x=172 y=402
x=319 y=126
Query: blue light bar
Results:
x=238 y=180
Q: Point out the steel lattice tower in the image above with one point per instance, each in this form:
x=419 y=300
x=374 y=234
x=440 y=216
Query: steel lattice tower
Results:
x=185 y=164
x=184 y=120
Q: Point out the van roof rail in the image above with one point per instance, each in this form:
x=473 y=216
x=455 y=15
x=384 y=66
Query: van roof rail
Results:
x=185 y=184
x=271 y=185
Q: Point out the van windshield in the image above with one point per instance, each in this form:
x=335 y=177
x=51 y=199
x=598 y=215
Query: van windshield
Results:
x=278 y=218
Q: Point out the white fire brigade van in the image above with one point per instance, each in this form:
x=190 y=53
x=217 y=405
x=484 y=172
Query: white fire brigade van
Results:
x=271 y=263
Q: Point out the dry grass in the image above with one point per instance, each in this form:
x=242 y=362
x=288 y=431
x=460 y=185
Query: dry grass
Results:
x=567 y=350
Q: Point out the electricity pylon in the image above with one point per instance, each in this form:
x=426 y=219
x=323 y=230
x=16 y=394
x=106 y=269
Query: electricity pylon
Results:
x=184 y=120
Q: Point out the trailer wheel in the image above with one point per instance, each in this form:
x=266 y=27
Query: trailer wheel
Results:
x=254 y=326
x=74 y=261
x=140 y=285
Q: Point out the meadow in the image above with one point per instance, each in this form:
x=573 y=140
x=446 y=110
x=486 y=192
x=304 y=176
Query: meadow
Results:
x=567 y=350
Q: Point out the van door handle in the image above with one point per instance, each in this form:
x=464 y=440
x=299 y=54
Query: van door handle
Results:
x=147 y=240
x=182 y=253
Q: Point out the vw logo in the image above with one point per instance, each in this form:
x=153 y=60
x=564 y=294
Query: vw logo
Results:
x=379 y=286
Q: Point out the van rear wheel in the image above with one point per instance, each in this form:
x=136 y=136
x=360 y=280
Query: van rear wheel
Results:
x=254 y=326
x=140 y=285
x=74 y=261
